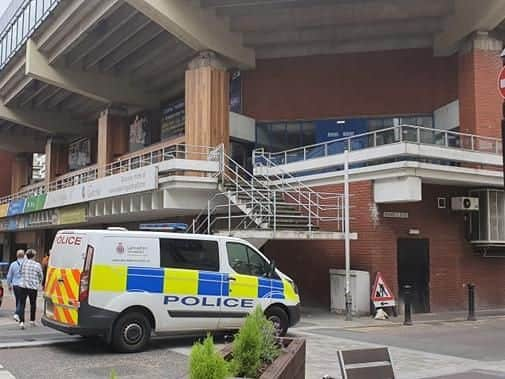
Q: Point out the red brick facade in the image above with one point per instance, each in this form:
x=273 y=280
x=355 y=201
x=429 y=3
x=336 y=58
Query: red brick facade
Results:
x=361 y=84
x=386 y=83
x=452 y=259
x=6 y=160
x=480 y=103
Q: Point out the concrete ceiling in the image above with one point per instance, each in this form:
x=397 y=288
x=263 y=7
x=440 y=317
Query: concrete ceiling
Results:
x=279 y=28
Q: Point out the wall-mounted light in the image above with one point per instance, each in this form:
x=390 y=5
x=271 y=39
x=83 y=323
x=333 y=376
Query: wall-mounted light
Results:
x=414 y=232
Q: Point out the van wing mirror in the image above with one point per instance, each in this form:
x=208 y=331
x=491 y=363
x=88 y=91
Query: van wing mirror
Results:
x=271 y=269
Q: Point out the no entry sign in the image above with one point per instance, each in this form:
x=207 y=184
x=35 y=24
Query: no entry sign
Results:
x=501 y=82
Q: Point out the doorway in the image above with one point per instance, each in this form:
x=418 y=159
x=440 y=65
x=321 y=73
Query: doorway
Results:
x=414 y=270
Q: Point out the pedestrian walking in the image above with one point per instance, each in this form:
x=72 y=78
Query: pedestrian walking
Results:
x=31 y=275
x=14 y=280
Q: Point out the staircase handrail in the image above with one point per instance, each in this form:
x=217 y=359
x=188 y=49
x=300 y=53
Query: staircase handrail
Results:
x=300 y=184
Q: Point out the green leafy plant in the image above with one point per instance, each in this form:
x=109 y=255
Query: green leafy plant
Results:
x=270 y=349
x=254 y=345
x=113 y=374
x=205 y=362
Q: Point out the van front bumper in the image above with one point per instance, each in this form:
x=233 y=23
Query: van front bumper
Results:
x=71 y=329
x=294 y=314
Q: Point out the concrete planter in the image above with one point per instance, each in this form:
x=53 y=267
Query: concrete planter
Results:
x=289 y=365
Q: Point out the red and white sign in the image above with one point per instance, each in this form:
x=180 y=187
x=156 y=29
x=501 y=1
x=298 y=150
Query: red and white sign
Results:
x=382 y=296
x=501 y=82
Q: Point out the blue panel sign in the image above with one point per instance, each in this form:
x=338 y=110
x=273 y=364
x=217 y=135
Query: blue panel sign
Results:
x=16 y=207
x=329 y=130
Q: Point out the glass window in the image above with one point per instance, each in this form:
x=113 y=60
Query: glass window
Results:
x=189 y=254
x=262 y=136
x=308 y=133
x=278 y=137
x=246 y=261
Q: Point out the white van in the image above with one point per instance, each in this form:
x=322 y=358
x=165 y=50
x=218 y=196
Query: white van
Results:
x=123 y=285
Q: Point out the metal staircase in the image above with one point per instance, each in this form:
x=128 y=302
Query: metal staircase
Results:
x=263 y=208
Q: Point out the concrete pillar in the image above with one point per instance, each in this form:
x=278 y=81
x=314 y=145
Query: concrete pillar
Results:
x=112 y=137
x=56 y=159
x=207 y=101
x=480 y=104
x=21 y=171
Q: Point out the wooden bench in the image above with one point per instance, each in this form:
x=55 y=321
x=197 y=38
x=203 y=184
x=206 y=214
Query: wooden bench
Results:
x=366 y=364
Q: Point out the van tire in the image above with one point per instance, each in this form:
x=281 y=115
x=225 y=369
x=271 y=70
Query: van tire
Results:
x=131 y=333
x=279 y=318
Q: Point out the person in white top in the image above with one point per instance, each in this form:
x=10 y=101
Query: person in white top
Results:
x=31 y=281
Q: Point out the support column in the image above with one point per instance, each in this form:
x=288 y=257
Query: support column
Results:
x=207 y=101
x=21 y=171
x=112 y=137
x=480 y=105
x=56 y=159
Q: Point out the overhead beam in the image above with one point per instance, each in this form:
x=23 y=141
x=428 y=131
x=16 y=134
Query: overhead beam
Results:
x=48 y=122
x=421 y=26
x=468 y=17
x=199 y=28
x=26 y=144
x=104 y=88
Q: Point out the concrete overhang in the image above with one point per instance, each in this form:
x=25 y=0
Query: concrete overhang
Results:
x=198 y=28
x=105 y=88
x=468 y=17
x=428 y=172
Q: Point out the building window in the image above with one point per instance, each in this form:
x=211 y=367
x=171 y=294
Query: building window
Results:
x=279 y=136
x=189 y=254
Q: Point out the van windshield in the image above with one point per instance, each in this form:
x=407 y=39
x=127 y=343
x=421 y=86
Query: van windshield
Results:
x=69 y=250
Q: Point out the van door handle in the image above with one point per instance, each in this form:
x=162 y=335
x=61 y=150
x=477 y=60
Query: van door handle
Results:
x=232 y=278
x=61 y=280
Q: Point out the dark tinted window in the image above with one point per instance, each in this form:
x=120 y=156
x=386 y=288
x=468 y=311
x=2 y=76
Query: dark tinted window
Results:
x=245 y=260
x=189 y=254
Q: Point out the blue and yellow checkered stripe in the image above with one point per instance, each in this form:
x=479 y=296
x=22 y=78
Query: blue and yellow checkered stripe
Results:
x=187 y=282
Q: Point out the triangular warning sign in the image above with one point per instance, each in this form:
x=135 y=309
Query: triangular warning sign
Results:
x=381 y=294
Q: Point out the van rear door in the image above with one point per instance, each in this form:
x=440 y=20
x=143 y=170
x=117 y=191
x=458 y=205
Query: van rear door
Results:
x=61 y=291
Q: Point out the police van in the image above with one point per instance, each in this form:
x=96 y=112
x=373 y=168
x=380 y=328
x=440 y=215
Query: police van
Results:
x=125 y=285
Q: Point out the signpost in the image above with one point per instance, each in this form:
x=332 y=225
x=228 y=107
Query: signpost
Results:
x=382 y=296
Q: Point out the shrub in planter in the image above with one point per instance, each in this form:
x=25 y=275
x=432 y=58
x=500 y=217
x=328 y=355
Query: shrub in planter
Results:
x=254 y=346
x=205 y=362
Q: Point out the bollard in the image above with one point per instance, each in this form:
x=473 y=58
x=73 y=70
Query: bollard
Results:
x=471 y=302
x=407 y=292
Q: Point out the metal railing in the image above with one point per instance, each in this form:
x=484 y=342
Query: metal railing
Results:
x=26 y=191
x=26 y=19
x=152 y=155
x=316 y=202
x=74 y=178
x=247 y=202
x=396 y=134
x=157 y=154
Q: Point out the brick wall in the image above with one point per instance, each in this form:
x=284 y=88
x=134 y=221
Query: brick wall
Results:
x=452 y=260
x=6 y=160
x=480 y=103
x=376 y=83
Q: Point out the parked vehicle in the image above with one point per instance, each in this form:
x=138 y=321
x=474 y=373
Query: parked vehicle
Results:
x=125 y=285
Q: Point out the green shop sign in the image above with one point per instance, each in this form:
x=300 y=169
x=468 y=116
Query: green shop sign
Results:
x=35 y=203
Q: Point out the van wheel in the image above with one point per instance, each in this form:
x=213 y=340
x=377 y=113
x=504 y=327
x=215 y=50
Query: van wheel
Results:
x=279 y=318
x=131 y=333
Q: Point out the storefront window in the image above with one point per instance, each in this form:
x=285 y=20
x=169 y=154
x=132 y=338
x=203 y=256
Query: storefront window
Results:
x=279 y=136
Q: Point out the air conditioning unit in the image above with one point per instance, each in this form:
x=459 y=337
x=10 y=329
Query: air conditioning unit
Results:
x=464 y=203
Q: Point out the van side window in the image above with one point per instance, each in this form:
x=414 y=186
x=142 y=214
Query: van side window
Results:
x=245 y=260
x=189 y=254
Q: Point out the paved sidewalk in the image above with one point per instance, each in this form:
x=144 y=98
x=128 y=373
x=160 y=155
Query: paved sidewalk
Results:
x=317 y=317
